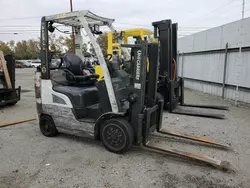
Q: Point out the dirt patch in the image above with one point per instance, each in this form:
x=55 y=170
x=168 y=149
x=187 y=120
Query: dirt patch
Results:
x=202 y=182
x=15 y=180
x=170 y=180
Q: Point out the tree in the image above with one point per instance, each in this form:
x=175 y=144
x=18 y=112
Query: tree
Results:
x=33 y=49
x=52 y=42
x=21 y=50
x=68 y=43
x=53 y=47
x=59 y=44
x=11 y=44
x=103 y=42
x=5 y=48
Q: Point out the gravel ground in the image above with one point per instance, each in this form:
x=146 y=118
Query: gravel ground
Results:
x=30 y=160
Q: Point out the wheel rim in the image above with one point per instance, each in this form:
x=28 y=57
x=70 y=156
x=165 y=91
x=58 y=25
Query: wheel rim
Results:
x=114 y=136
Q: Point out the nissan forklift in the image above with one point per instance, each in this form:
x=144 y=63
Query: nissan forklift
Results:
x=121 y=110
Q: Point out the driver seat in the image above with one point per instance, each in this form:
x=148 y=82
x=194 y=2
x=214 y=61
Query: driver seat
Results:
x=74 y=71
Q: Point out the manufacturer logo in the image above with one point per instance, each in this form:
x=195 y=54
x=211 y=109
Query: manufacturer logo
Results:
x=138 y=65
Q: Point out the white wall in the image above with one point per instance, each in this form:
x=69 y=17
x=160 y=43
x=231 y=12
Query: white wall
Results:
x=216 y=38
x=208 y=67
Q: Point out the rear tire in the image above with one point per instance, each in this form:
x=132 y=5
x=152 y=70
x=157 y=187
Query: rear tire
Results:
x=117 y=135
x=47 y=126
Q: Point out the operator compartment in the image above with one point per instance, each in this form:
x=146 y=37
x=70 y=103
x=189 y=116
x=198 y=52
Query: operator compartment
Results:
x=74 y=80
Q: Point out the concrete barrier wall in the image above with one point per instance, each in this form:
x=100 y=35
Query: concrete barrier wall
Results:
x=202 y=60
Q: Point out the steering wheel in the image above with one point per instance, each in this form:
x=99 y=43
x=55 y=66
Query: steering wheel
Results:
x=109 y=56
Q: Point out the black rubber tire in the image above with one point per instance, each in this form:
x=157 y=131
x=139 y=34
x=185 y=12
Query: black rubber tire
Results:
x=12 y=103
x=123 y=138
x=47 y=126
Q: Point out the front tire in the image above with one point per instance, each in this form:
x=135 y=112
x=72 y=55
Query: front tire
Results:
x=117 y=135
x=47 y=126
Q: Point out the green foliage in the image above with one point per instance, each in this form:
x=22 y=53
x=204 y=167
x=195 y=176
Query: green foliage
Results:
x=21 y=50
x=103 y=42
x=5 y=48
x=68 y=43
x=30 y=49
x=33 y=49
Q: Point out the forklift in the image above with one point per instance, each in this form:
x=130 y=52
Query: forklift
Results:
x=9 y=95
x=125 y=34
x=114 y=46
x=121 y=110
x=171 y=87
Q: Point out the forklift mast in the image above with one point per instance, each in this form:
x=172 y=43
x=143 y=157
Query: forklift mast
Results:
x=143 y=106
x=166 y=32
x=163 y=31
x=171 y=87
x=44 y=43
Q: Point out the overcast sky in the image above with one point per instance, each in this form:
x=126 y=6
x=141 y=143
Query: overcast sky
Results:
x=192 y=15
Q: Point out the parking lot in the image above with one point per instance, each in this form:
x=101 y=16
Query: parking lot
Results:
x=29 y=159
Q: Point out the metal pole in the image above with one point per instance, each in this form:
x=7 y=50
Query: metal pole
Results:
x=224 y=72
x=182 y=65
x=73 y=33
x=240 y=54
x=243 y=8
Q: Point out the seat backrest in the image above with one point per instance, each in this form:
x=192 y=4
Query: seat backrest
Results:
x=73 y=63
